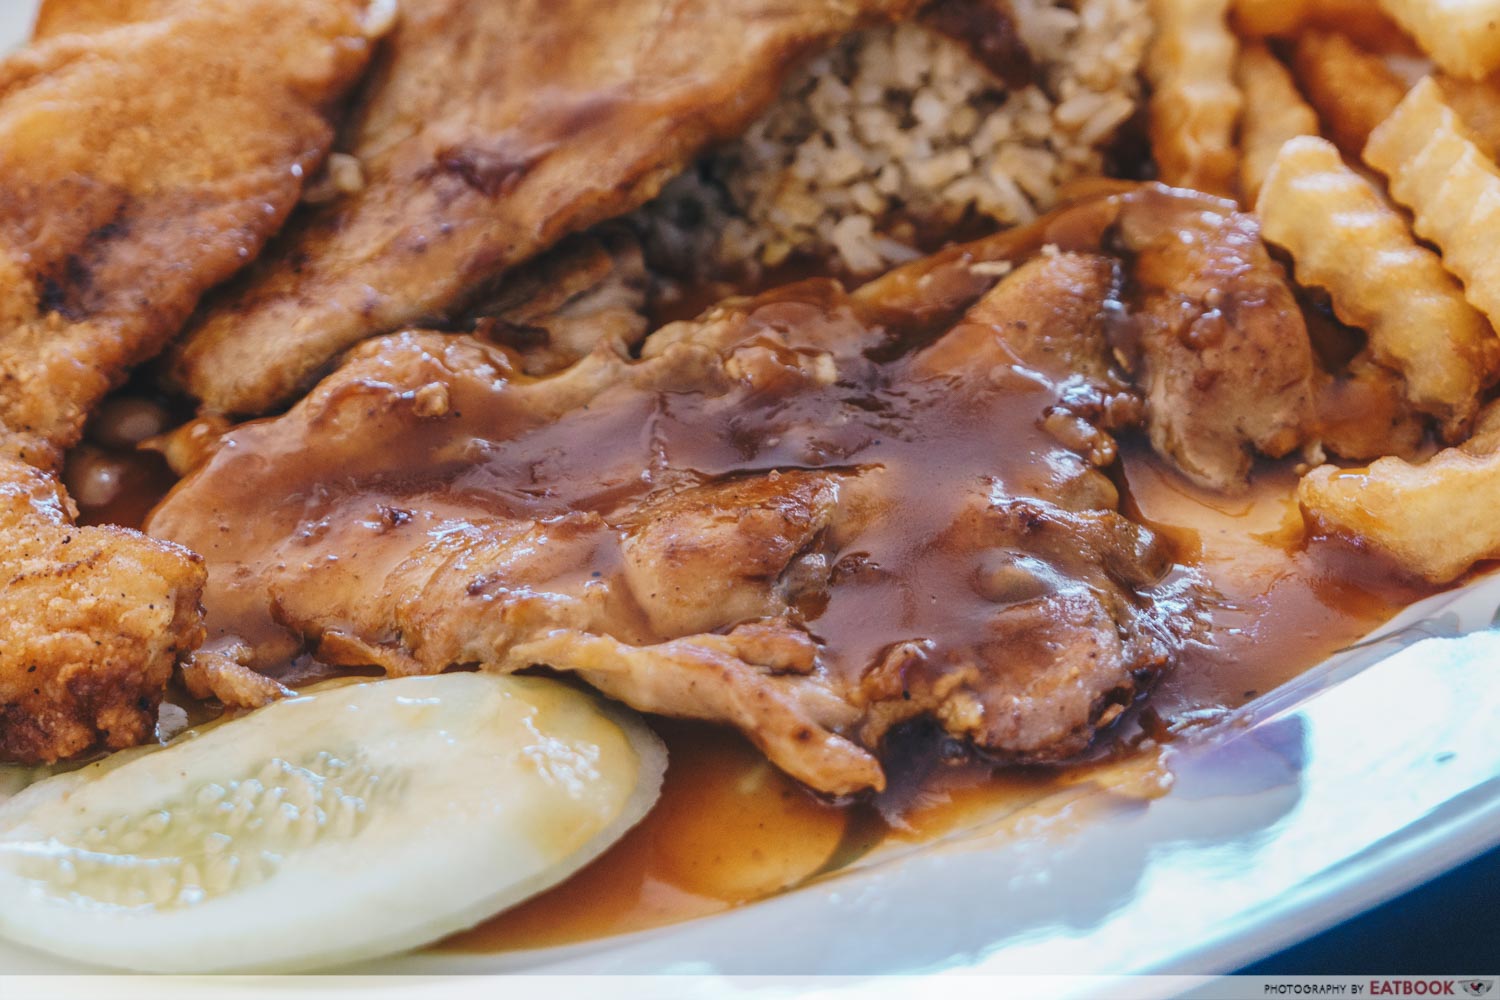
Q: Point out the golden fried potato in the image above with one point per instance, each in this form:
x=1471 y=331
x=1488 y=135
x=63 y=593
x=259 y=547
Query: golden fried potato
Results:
x=1477 y=104
x=1274 y=113
x=1486 y=436
x=1353 y=89
x=1462 y=36
x=1361 y=20
x=1363 y=413
x=1453 y=189
x=1269 y=18
x=1435 y=520
x=1195 y=105
x=1344 y=238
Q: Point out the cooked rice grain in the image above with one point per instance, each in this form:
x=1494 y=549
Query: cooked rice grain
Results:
x=899 y=131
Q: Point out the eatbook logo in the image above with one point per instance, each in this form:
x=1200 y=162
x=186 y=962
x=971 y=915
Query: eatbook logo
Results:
x=1478 y=987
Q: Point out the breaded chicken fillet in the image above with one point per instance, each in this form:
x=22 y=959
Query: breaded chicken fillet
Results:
x=145 y=156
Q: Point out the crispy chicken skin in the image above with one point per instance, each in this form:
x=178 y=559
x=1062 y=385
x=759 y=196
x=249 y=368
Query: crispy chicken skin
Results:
x=488 y=132
x=91 y=622
x=147 y=151
x=65 y=17
x=813 y=515
x=140 y=166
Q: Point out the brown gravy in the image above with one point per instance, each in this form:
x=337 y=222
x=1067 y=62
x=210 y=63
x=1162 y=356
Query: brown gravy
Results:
x=730 y=829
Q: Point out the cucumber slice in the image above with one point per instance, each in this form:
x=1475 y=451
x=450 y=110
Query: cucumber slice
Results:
x=351 y=822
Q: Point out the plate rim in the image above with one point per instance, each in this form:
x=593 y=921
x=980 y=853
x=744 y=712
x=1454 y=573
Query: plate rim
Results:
x=1321 y=903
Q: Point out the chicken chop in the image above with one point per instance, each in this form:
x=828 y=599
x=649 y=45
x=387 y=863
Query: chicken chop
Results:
x=813 y=515
x=489 y=131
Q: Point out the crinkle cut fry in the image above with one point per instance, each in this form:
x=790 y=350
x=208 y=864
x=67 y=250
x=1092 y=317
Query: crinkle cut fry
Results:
x=1362 y=20
x=1274 y=113
x=1344 y=238
x=1434 y=520
x=1462 y=36
x=1353 y=90
x=1436 y=169
x=1195 y=105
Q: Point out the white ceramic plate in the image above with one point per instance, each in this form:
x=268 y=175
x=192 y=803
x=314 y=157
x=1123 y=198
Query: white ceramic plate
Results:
x=1361 y=779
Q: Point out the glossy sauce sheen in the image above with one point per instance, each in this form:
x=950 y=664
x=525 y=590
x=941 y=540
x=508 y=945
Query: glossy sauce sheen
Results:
x=730 y=829
x=1285 y=608
x=909 y=442
x=911 y=445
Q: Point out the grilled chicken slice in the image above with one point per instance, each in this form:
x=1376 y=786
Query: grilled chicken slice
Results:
x=142 y=160
x=1206 y=322
x=555 y=309
x=813 y=515
x=489 y=131
x=1222 y=345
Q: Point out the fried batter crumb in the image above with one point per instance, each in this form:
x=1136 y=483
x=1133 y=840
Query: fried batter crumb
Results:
x=92 y=621
x=224 y=675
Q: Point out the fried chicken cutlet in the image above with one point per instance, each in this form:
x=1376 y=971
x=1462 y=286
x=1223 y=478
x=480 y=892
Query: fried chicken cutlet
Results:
x=144 y=158
x=139 y=167
x=814 y=515
x=488 y=131
x=94 y=620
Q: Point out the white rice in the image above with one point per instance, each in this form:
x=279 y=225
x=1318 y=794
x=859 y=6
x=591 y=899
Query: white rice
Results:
x=899 y=131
